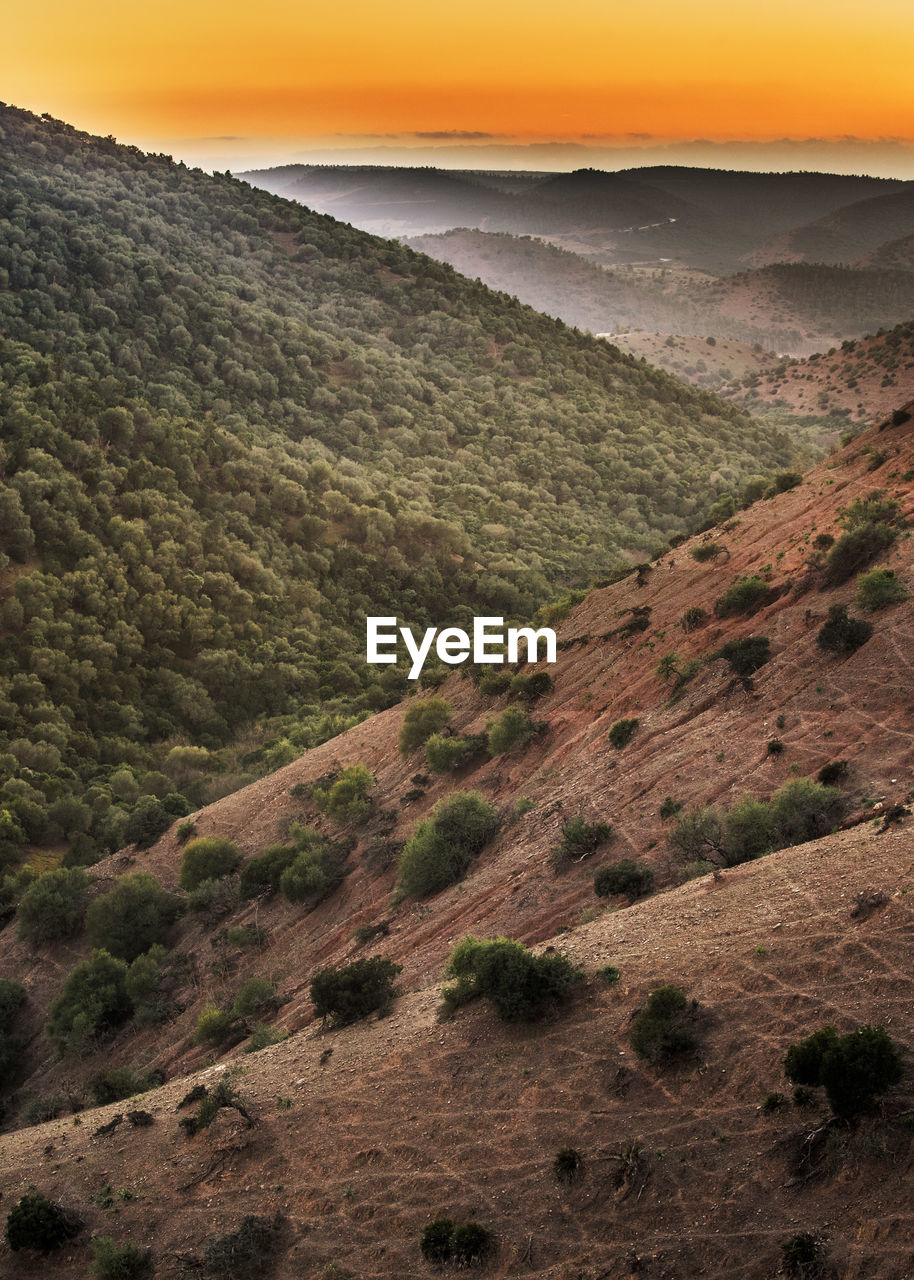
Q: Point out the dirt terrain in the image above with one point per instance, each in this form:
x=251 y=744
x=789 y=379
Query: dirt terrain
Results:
x=409 y=1118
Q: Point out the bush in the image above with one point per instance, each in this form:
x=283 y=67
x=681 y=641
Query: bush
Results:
x=568 y=1164
x=842 y=634
x=444 y=754
x=93 y=1001
x=244 y=1254
x=133 y=916
x=745 y=595
x=832 y=772
x=522 y=986
x=621 y=732
x=254 y=996
x=531 y=685
x=304 y=879
x=579 y=839
x=213 y=899
x=186 y=829
x=207 y=858
x=214 y=1025
x=117 y=1261
x=878 y=589
x=422 y=719
x=262 y=1037
x=625 y=876
x=263 y=873
x=802 y=1256
x=747 y=655
x=512 y=728
x=149 y=981
x=853 y=1069
x=693 y=618
x=12 y=998
x=353 y=992
x=856 y=549
x=40 y=1110
x=38 y=1223
x=443 y=845
x=495 y=683
x=748 y=831
x=112 y=1084
x=148 y=820
x=705 y=551
x=346 y=798
x=699 y=832
x=666 y=1027
x=465 y=1245
x=53 y=907
x=802 y=810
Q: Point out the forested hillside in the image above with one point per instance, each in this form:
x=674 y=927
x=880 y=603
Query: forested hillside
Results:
x=231 y=428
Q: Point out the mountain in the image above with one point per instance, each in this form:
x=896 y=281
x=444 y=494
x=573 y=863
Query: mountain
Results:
x=861 y=379
x=845 y=234
x=351 y=1140
x=711 y=220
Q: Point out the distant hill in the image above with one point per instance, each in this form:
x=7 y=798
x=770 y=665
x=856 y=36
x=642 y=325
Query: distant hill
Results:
x=846 y=234
x=708 y=219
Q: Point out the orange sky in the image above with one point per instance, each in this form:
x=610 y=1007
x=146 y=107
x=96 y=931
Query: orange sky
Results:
x=181 y=70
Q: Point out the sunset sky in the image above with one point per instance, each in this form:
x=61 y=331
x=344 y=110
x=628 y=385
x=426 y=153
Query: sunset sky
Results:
x=286 y=78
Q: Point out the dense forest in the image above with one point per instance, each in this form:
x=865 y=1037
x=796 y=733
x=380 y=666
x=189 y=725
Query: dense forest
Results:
x=232 y=427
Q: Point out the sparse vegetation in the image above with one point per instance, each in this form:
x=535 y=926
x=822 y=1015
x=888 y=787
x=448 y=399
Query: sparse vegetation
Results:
x=745 y=595
x=522 y=986
x=262 y=874
x=832 y=772
x=463 y=1245
x=346 y=798
x=579 y=840
x=745 y=656
x=245 y=1254
x=445 y=754
x=568 y=1165
x=513 y=728
x=113 y=1261
x=442 y=846
x=803 y=1256
x=111 y=1084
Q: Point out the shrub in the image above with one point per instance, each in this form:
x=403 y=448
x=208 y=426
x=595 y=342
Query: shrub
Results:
x=620 y=733
x=855 y=549
x=512 y=728
x=579 y=840
x=784 y=481
x=93 y=1001
x=436 y=1241
x=40 y=1110
x=745 y=595
x=262 y=1037
x=111 y=1084
x=610 y=974
x=669 y=808
x=345 y=799
x=213 y=899
x=446 y=754
x=117 y=1261
x=149 y=980
x=666 y=1027
x=699 y=832
x=624 y=876
x=53 y=907
x=422 y=719
x=705 y=551
x=747 y=655
x=832 y=772
x=221 y=1095
x=207 y=858
x=775 y=747
x=802 y=1256
x=531 y=685
x=148 y=820
x=133 y=916
x=444 y=844
x=214 y=1025
x=465 y=1245
x=522 y=986
x=38 y=1223
x=354 y=991
x=568 y=1164
x=693 y=618
x=842 y=634
x=878 y=589
x=495 y=683
x=254 y=996
x=748 y=831
x=244 y=1254
x=853 y=1069
x=263 y=873
x=802 y=810
x=304 y=879
x=186 y=829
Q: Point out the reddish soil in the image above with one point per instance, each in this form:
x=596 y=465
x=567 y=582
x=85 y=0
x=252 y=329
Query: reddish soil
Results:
x=409 y=1118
